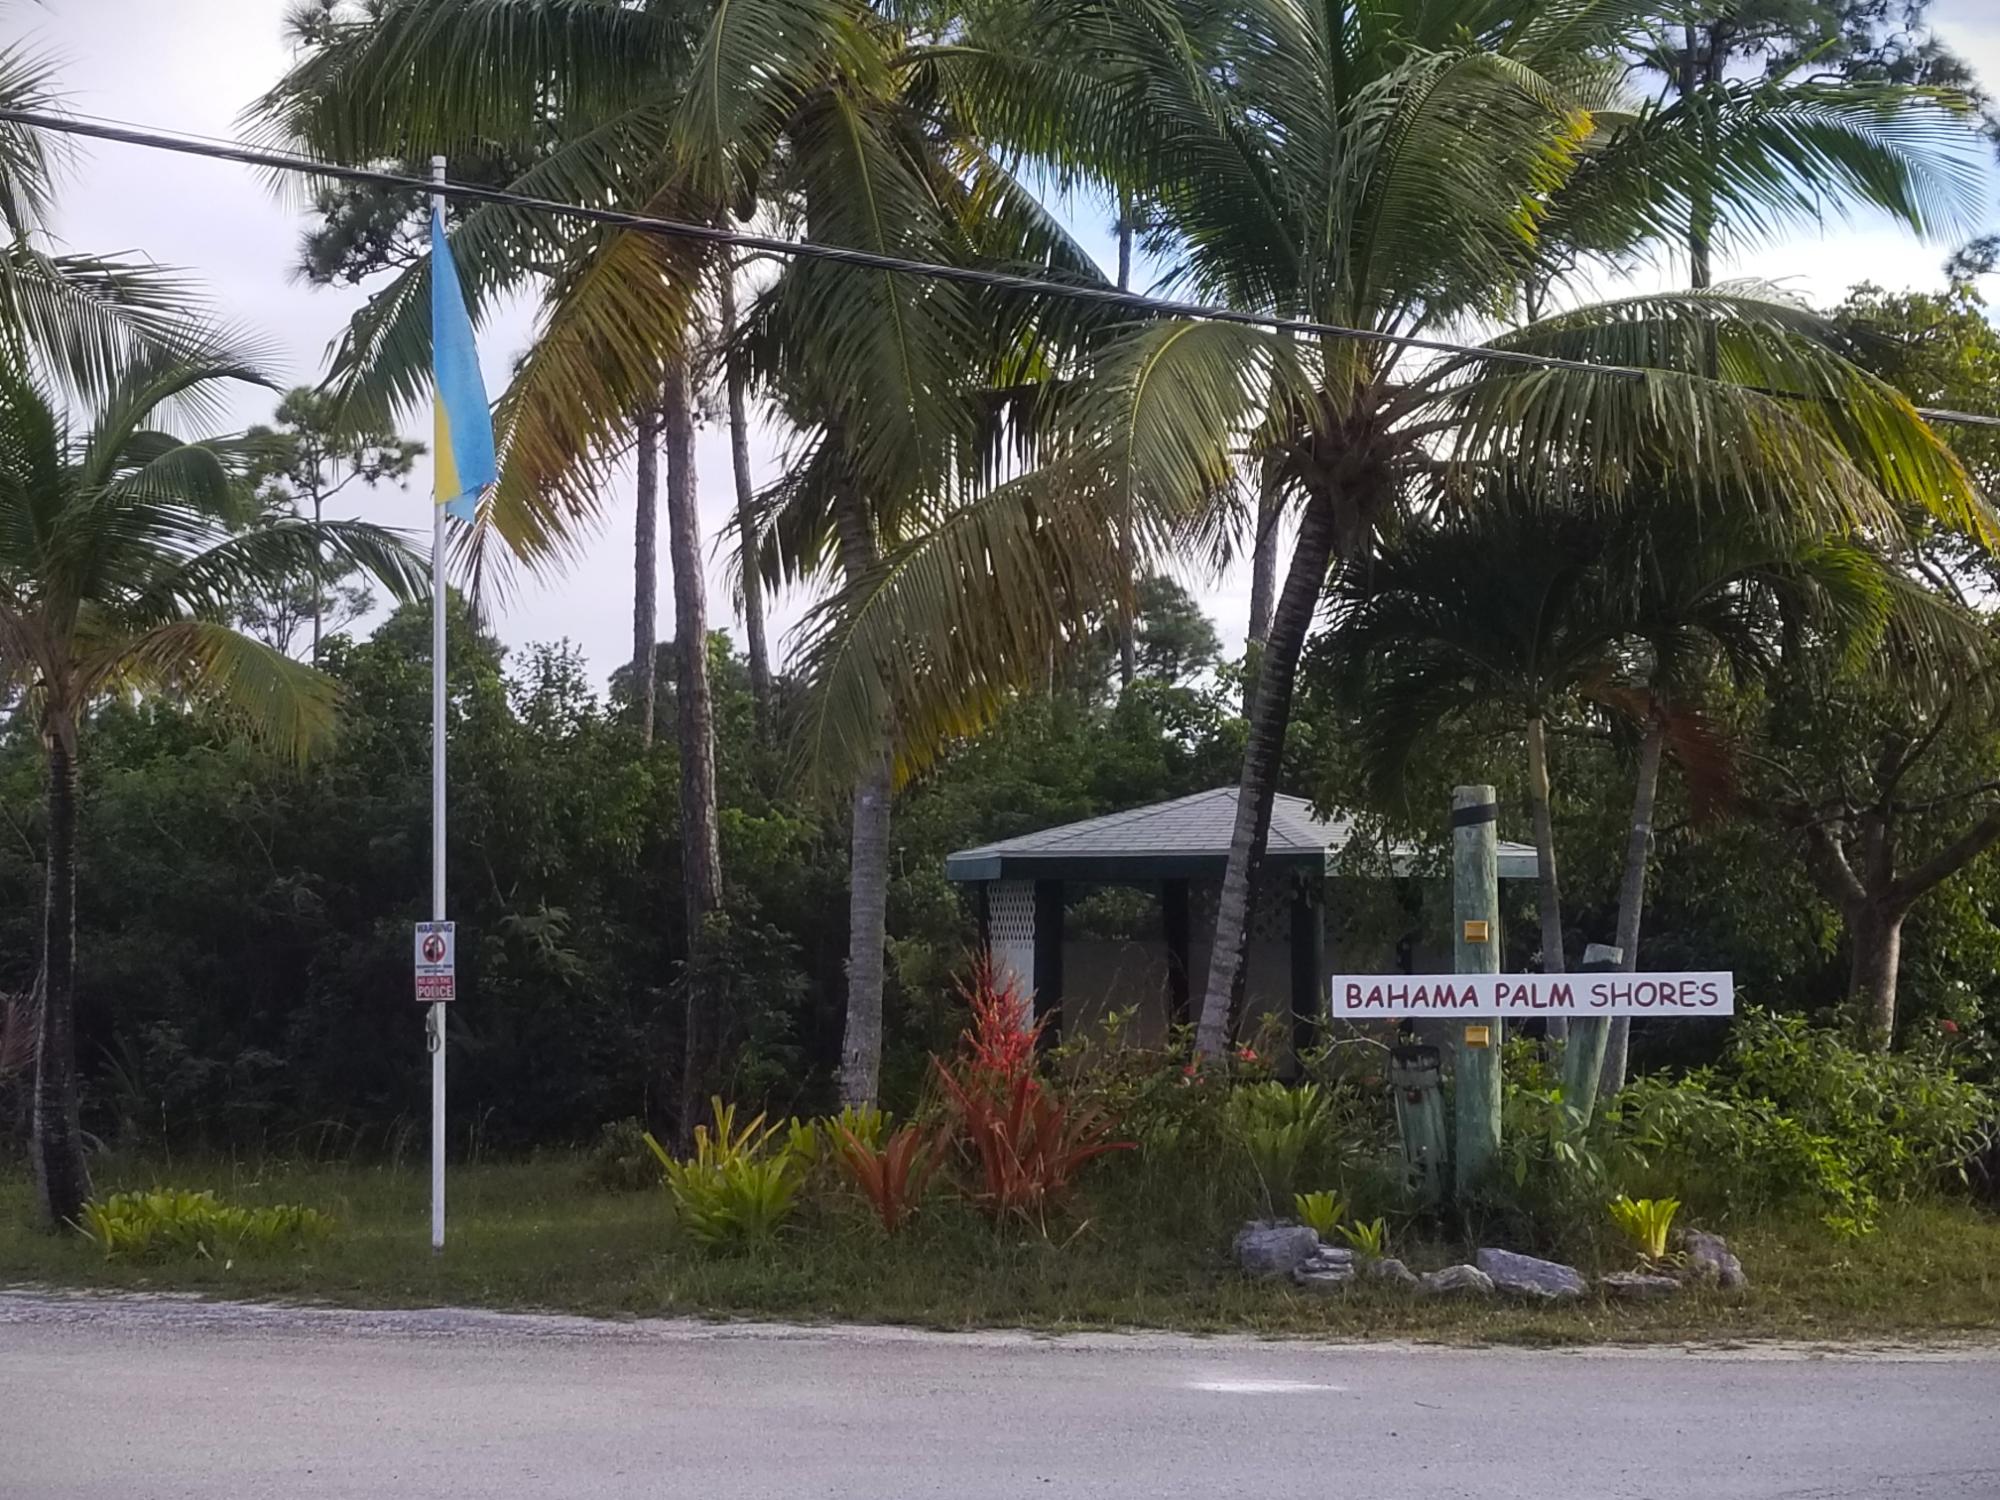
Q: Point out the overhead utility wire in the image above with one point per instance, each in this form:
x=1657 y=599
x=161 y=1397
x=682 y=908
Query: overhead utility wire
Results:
x=281 y=161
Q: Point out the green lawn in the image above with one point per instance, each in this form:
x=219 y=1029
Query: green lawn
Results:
x=531 y=1235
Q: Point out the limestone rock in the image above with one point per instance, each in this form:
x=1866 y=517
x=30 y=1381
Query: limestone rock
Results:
x=1525 y=1276
x=1709 y=1259
x=1456 y=1279
x=1333 y=1276
x=1637 y=1286
x=1389 y=1269
x=1266 y=1249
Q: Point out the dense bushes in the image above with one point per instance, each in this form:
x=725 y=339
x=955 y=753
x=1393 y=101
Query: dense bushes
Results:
x=1795 y=1115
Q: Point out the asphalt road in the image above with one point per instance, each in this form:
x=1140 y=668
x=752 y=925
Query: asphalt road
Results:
x=161 y=1398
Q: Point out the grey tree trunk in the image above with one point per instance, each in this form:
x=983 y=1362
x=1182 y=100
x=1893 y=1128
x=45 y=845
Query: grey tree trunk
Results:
x=1270 y=712
x=746 y=515
x=1547 y=885
x=1632 y=898
x=62 y=1177
x=1876 y=932
x=318 y=576
x=694 y=724
x=1264 y=558
x=1128 y=649
x=867 y=863
x=695 y=713
x=646 y=575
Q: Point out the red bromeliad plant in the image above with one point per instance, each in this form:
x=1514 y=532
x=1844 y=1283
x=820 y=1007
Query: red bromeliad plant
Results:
x=1000 y=1044
x=892 y=1176
x=1026 y=1143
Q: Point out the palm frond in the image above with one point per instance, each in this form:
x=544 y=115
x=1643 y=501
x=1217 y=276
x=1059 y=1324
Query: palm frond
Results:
x=285 y=703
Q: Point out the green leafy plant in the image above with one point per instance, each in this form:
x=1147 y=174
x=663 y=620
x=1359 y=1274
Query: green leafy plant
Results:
x=1645 y=1222
x=1319 y=1212
x=892 y=1176
x=1370 y=1241
x=1277 y=1126
x=865 y=1123
x=734 y=1191
x=177 y=1223
x=803 y=1142
x=618 y=1160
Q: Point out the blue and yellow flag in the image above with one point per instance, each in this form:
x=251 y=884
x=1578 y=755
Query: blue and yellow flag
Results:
x=464 y=449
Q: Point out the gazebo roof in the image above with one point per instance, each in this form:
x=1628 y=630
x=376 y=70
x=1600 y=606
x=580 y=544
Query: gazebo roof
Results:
x=1188 y=836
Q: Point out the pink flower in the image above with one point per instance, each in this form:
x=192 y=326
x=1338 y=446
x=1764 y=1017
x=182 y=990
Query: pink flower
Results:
x=1246 y=1054
x=1949 y=1028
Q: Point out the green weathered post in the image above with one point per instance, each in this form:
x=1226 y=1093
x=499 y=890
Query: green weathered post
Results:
x=1583 y=1055
x=1475 y=884
x=1419 y=1094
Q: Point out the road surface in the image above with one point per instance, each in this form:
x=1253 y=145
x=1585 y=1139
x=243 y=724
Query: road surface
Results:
x=122 y=1397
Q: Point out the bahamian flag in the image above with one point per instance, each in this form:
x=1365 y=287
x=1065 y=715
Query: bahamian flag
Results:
x=464 y=431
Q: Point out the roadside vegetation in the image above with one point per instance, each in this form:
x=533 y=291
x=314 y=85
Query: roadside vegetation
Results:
x=1688 y=575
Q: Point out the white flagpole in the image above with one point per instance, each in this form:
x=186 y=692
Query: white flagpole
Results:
x=437 y=1027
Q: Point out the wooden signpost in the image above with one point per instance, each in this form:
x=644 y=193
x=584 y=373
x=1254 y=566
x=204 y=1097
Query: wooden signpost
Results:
x=1476 y=1000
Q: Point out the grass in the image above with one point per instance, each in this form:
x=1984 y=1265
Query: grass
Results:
x=531 y=1235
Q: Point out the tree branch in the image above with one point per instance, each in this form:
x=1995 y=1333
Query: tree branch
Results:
x=1830 y=869
x=1948 y=861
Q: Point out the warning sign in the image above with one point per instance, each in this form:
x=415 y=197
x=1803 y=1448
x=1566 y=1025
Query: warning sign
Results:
x=437 y=962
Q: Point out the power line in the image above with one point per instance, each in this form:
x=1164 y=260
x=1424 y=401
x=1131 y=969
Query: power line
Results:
x=282 y=161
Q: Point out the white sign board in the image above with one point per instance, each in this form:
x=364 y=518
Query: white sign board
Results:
x=437 y=962
x=1378 y=997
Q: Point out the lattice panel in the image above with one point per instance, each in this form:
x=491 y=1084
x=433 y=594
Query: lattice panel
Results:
x=1010 y=929
x=1010 y=911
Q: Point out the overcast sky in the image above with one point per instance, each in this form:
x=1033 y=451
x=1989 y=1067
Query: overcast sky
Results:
x=191 y=66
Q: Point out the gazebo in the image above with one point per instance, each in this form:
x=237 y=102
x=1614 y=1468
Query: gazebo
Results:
x=1178 y=849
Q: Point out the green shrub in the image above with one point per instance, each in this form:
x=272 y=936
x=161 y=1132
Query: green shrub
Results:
x=1278 y=1126
x=180 y=1224
x=1795 y=1115
x=618 y=1160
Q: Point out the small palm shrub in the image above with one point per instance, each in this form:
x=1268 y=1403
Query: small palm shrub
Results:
x=1319 y=1212
x=1645 y=1222
x=736 y=1191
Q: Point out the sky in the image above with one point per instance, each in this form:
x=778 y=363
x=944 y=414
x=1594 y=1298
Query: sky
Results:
x=191 y=66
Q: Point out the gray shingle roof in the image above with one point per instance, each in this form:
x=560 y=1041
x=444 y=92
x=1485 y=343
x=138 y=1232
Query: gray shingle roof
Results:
x=1187 y=836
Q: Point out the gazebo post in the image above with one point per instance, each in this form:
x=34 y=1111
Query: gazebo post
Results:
x=1049 y=959
x=1174 y=923
x=1308 y=955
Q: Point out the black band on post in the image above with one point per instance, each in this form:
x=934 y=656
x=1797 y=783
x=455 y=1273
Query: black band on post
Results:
x=1466 y=817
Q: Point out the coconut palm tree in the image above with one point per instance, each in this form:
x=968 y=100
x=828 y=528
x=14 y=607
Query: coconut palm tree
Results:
x=1396 y=170
x=118 y=563
x=829 y=115
x=74 y=320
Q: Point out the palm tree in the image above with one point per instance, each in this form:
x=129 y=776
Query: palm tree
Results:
x=76 y=321
x=830 y=115
x=1399 y=171
x=117 y=563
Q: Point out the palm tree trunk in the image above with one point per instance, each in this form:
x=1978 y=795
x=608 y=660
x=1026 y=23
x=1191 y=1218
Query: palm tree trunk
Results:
x=646 y=577
x=1264 y=558
x=695 y=714
x=746 y=513
x=1876 y=931
x=1128 y=653
x=1632 y=897
x=62 y=1178
x=1549 y=887
x=694 y=724
x=1270 y=712
x=867 y=863
x=318 y=577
